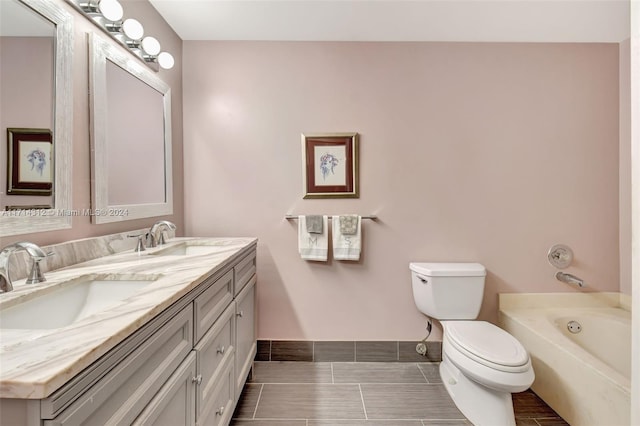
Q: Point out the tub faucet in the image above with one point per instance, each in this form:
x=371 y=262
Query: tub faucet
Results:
x=153 y=239
x=36 y=254
x=569 y=279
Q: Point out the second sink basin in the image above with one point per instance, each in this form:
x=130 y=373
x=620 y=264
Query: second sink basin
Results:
x=191 y=248
x=72 y=301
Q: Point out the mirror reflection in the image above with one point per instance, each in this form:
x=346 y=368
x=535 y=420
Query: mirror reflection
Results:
x=135 y=139
x=27 y=46
x=36 y=100
x=131 y=137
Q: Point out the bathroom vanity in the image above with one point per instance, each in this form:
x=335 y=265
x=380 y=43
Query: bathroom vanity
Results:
x=177 y=350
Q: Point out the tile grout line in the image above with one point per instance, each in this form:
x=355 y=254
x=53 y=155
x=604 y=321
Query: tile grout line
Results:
x=422 y=372
x=364 y=408
x=255 y=410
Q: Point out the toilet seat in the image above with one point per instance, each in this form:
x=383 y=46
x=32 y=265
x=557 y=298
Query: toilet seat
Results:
x=501 y=378
x=488 y=345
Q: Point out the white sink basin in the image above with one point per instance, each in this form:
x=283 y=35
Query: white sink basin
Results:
x=72 y=301
x=191 y=248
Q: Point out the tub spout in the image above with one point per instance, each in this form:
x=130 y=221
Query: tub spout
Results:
x=569 y=279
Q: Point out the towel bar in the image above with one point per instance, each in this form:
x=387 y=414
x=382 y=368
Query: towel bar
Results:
x=294 y=217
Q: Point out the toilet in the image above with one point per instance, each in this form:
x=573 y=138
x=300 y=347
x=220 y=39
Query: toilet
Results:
x=482 y=365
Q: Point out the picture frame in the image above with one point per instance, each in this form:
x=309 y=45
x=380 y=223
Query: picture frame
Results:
x=330 y=165
x=30 y=207
x=29 y=161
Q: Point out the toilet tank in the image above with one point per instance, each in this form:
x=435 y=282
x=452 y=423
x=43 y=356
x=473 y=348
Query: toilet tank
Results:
x=448 y=291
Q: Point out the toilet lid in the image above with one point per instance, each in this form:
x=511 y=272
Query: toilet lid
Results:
x=486 y=343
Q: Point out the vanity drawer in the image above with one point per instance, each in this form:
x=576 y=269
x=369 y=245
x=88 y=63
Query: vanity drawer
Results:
x=218 y=409
x=214 y=351
x=121 y=395
x=209 y=305
x=243 y=271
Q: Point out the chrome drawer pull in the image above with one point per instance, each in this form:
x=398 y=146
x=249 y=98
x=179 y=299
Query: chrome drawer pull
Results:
x=197 y=380
x=221 y=350
x=220 y=411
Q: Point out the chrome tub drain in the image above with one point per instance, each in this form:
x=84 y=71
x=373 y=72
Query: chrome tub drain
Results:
x=574 y=327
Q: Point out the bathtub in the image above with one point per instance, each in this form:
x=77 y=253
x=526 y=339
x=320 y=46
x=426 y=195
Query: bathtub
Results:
x=584 y=376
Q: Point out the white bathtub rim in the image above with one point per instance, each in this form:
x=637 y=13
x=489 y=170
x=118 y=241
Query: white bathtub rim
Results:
x=564 y=300
x=548 y=332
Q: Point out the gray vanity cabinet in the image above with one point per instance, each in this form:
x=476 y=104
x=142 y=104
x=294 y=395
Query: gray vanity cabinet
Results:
x=187 y=366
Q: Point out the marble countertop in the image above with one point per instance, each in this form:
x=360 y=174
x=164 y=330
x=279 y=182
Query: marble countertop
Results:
x=34 y=363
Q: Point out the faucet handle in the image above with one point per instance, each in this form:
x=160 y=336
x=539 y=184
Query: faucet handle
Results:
x=140 y=245
x=162 y=241
x=36 y=275
x=151 y=239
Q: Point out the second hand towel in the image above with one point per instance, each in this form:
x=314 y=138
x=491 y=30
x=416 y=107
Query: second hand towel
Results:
x=346 y=246
x=310 y=245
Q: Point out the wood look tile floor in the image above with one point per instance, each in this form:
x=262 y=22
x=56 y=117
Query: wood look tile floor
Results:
x=282 y=393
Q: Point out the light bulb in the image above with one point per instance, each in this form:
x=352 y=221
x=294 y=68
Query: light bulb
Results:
x=165 y=60
x=151 y=46
x=111 y=9
x=132 y=29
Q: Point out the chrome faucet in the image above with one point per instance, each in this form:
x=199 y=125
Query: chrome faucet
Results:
x=35 y=275
x=569 y=279
x=153 y=240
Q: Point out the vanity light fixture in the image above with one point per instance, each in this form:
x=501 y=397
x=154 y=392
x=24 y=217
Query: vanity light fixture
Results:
x=132 y=29
x=108 y=15
x=110 y=9
x=150 y=45
x=165 y=60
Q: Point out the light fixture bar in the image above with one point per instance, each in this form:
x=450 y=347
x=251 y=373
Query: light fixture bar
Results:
x=108 y=15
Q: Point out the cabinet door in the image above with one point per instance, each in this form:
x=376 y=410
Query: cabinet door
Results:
x=121 y=395
x=245 y=333
x=214 y=352
x=222 y=398
x=175 y=403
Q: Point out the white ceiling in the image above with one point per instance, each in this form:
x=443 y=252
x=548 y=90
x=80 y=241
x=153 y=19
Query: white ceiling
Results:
x=399 y=20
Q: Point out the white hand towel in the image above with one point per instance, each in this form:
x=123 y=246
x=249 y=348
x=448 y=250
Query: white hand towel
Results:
x=313 y=246
x=346 y=246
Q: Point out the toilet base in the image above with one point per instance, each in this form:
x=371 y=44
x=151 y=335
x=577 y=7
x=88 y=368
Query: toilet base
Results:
x=481 y=405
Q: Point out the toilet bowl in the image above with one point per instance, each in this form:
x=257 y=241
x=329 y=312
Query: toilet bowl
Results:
x=481 y=363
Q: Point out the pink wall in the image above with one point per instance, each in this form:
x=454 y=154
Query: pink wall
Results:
x=469 y=152
x=154 y=25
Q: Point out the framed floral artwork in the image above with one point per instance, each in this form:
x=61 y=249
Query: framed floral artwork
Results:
x=330 y=165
